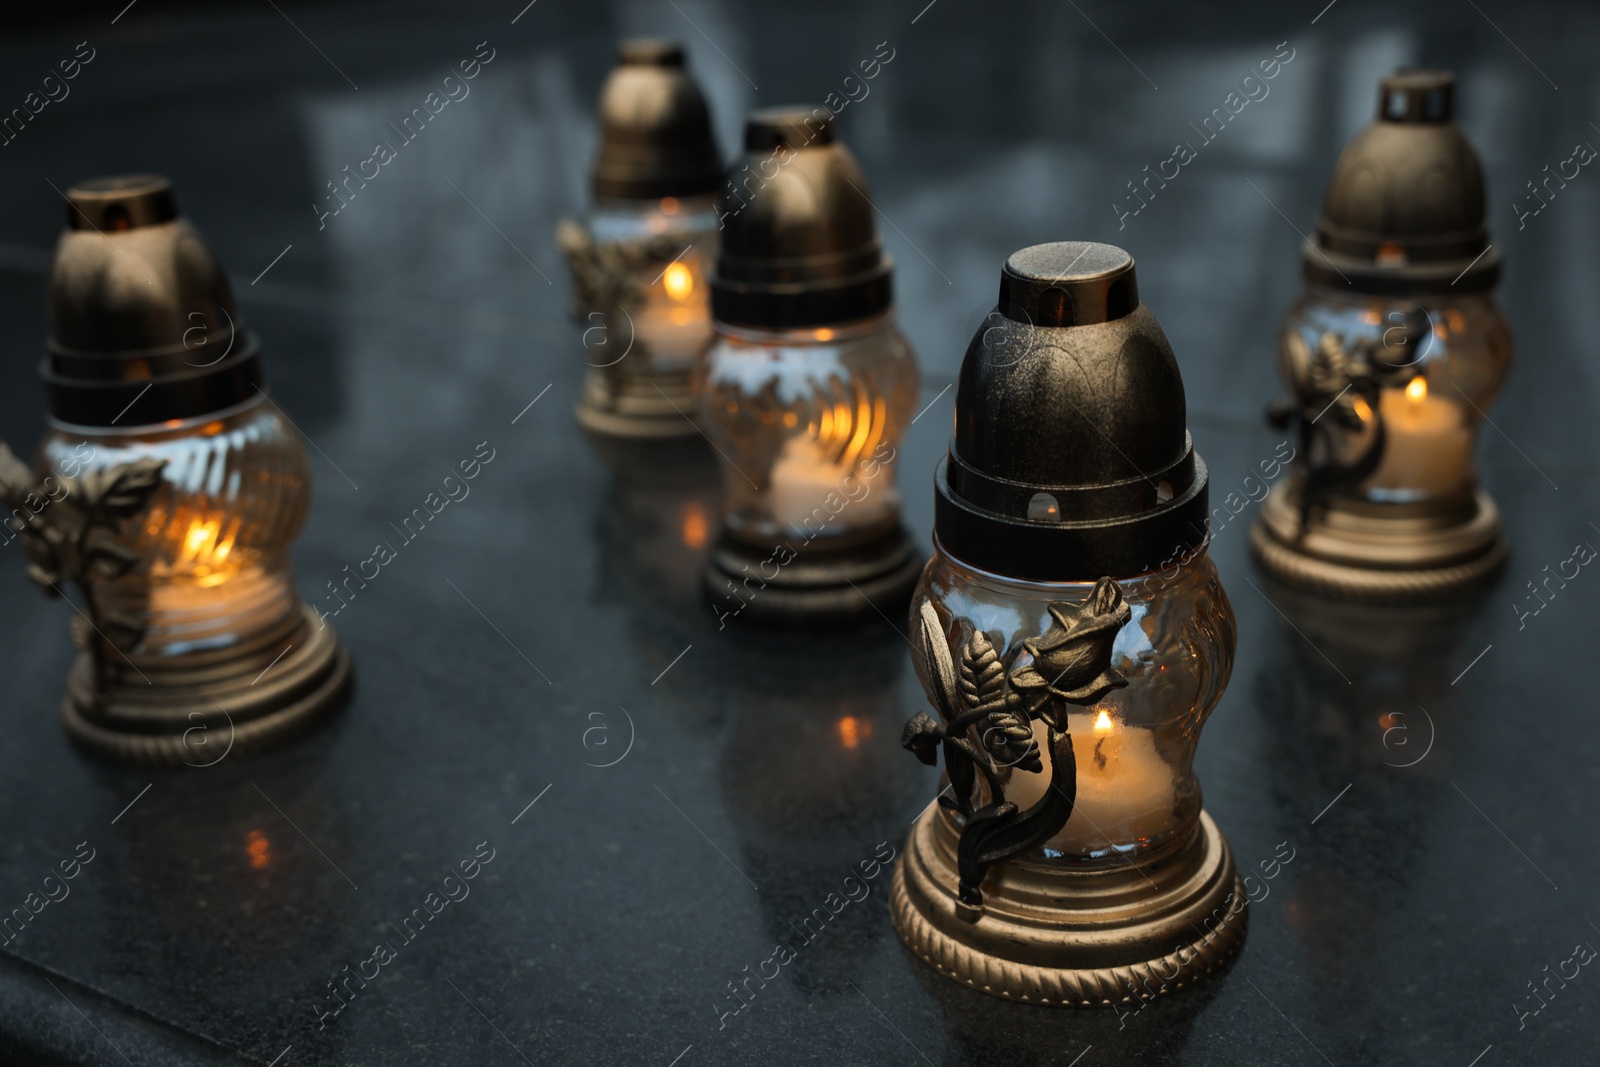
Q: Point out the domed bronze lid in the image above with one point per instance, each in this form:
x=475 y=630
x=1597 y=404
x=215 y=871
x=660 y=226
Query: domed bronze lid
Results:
x=655 y=131
x=1404 y=212
x=800 y=245
x=145 y=329
x=1071 y=457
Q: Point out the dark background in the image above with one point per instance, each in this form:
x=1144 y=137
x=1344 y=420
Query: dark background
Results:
x=1417 y=908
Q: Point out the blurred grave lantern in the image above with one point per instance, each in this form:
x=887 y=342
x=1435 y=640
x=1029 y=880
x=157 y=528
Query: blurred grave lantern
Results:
x=807 y=387
x=639 y=259
x=165 y=496
x=1393 y=355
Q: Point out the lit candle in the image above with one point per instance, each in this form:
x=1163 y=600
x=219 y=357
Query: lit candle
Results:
x=1126 y=791
x=809 y=493
x=1428 y=448
x=674 y=322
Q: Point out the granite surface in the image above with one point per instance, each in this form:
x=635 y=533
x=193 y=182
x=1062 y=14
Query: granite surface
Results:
x=692 y=789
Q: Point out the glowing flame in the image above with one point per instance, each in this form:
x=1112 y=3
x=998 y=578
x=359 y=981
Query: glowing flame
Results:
x=207 y=544
x=1417 y=390
x=1102 y=722
x=848 y=428
x=259 y=848
x=202 y=536
x=679 y=282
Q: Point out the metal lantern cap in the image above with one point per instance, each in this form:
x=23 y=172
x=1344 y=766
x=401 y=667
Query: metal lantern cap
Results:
x=145 y=329
x=120 y=203
x=655 y=129
x=1071 y=458
x=1404 y=212
x=800 y=245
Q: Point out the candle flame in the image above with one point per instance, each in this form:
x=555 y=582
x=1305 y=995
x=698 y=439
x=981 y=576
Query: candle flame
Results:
x=202 y=544
x=207 y=543
x=1102 y=722
x=1417 y=390
x=679 y=282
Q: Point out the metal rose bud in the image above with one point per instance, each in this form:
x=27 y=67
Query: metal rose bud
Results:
x=1072 y=661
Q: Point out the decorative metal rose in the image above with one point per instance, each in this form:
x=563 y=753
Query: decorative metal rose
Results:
x=1338 y=382
x=1072 y=661
x=988 y=704
x=70 y=534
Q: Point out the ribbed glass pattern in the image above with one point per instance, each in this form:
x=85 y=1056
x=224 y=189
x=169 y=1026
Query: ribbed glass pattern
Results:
x=213 y=544
x=807 y=422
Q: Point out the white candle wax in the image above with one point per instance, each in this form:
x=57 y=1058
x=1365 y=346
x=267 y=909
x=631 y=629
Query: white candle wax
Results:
x=810 y=494
x=1125 y=790
x=673 y=330
x=1429 y=446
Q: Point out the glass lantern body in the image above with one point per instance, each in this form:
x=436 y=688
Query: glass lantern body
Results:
x=807 y=422
x=672 y=322
x=1439 y=361
x=1134 y=747
x=213 y=544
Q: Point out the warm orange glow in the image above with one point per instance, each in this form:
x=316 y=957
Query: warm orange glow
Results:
x=848 y=428
x=1417 y=391
x=679 y=281
x=1102 y=722
x=1391 y=254
x=669 y=205
x=204 y=545
x=824 y=334
x=201 y=535
x=259 y=848
x=207 y=543
x=853 y=731
x=695 y=526
x=211 y=429
x=1363 y=409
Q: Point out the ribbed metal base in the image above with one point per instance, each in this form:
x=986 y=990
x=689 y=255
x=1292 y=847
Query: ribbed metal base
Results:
x=822 y=584
x=657 y=406
x=246 y=698
x=1072 y=938
x=1392 y=554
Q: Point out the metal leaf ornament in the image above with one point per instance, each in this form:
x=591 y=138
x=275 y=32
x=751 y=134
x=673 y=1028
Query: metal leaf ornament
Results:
x=1005 y=732
x=1339 y=384
x=989 y=703
x=73 y=537
x=608 y=275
